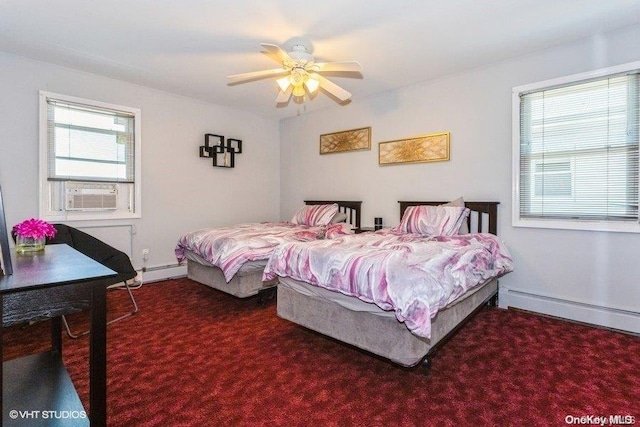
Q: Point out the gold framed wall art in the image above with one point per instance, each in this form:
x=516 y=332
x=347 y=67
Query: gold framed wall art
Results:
x=346 y=140
x=425 y=148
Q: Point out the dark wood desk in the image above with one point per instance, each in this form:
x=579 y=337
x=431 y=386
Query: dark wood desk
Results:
x=37 y=389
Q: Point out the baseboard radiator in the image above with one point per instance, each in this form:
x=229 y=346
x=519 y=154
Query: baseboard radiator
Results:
x=608 y=317
x=163 y=272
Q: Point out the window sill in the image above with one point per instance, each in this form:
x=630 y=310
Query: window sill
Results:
x=90 y=216
x=612 y=227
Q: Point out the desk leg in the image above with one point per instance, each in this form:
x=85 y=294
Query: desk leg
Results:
x=56 y=335
x=98 y=355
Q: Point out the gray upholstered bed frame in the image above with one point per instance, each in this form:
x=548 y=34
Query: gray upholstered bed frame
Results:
x=248 y=282
x=385 y=336
x=243 y=284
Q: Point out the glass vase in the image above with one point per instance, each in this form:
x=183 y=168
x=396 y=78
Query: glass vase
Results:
x=26 y=245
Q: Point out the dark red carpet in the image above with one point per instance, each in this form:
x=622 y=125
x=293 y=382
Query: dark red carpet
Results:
x=194 y=356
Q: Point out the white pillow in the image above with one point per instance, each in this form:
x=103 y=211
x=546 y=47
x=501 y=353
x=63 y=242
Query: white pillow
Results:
x=464 y=228
x=315 y=215
x=339 y=217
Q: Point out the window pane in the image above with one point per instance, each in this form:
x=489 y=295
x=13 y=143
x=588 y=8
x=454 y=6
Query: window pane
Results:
x=90 y=143
x=78 y=169
x=87 y=145
x=553 y=179
x=579 y=151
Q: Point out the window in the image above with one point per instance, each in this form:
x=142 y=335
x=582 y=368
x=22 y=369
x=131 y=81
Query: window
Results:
x=576 y=151
x=90 y=159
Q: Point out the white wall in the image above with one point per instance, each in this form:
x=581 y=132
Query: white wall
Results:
x=180 y=191
x=587 y=276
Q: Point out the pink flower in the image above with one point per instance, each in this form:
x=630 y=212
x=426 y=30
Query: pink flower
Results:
x=34 y=228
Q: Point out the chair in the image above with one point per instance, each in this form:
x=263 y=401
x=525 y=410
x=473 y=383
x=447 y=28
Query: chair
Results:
x=105 y=254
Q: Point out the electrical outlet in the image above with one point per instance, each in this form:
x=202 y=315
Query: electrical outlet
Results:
x=145 y=254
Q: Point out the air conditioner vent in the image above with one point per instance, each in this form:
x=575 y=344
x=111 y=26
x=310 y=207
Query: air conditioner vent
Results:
x=81 y=196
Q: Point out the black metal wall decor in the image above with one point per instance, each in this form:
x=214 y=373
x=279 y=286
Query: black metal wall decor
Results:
x=215 y=145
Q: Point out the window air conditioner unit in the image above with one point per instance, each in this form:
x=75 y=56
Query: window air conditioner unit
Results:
x=84 y=196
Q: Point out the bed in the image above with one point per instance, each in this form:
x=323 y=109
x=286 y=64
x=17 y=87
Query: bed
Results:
x=232 y=259
x=305 y=296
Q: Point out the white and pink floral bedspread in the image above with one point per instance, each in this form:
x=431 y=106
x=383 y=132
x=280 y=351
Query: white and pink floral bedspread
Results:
x=230 y=247
x=412 y=275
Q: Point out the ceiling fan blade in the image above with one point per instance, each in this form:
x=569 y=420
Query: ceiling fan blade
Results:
x=348 y=66
x=277 y=51
x=255 y=75
x=283 y=97
x=331 y=87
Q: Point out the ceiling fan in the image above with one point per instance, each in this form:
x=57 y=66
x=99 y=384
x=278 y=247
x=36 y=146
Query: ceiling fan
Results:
x=300 y=74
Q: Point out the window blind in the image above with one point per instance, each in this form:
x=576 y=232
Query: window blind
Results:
x=579 y=150
x=87 y=143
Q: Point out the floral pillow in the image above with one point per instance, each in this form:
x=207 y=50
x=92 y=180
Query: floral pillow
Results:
x=337 y=229
x=308 y=235
x=315 y=215
x=432 y=220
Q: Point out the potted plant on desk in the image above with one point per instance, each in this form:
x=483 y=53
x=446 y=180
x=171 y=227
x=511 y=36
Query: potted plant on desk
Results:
x=31 y=235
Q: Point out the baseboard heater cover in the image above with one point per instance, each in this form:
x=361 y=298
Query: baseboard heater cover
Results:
x=163 y=272
x=609 y=317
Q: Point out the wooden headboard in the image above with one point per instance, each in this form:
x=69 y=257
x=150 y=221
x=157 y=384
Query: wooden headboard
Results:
x=489 y=209
x=349 y=208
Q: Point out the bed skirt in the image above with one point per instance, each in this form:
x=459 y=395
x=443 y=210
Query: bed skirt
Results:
x=377 y=333
x=244 y=284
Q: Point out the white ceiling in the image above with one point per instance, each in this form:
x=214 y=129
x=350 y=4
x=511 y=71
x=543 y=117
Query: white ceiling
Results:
x=188 y=47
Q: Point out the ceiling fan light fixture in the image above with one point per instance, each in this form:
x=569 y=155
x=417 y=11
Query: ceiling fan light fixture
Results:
x=298 y=91
x=302 y=75
x=284 y=83
x=312 y=85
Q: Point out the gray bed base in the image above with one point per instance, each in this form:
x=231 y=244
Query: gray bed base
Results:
x=243 y=285
x=384 y=336
x=246 y=283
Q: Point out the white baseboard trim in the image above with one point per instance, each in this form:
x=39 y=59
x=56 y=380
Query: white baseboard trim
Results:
x=156 y=274
x=608 y=317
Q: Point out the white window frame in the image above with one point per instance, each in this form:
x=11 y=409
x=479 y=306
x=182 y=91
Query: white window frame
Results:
x=566 y=224
x=44 y=188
